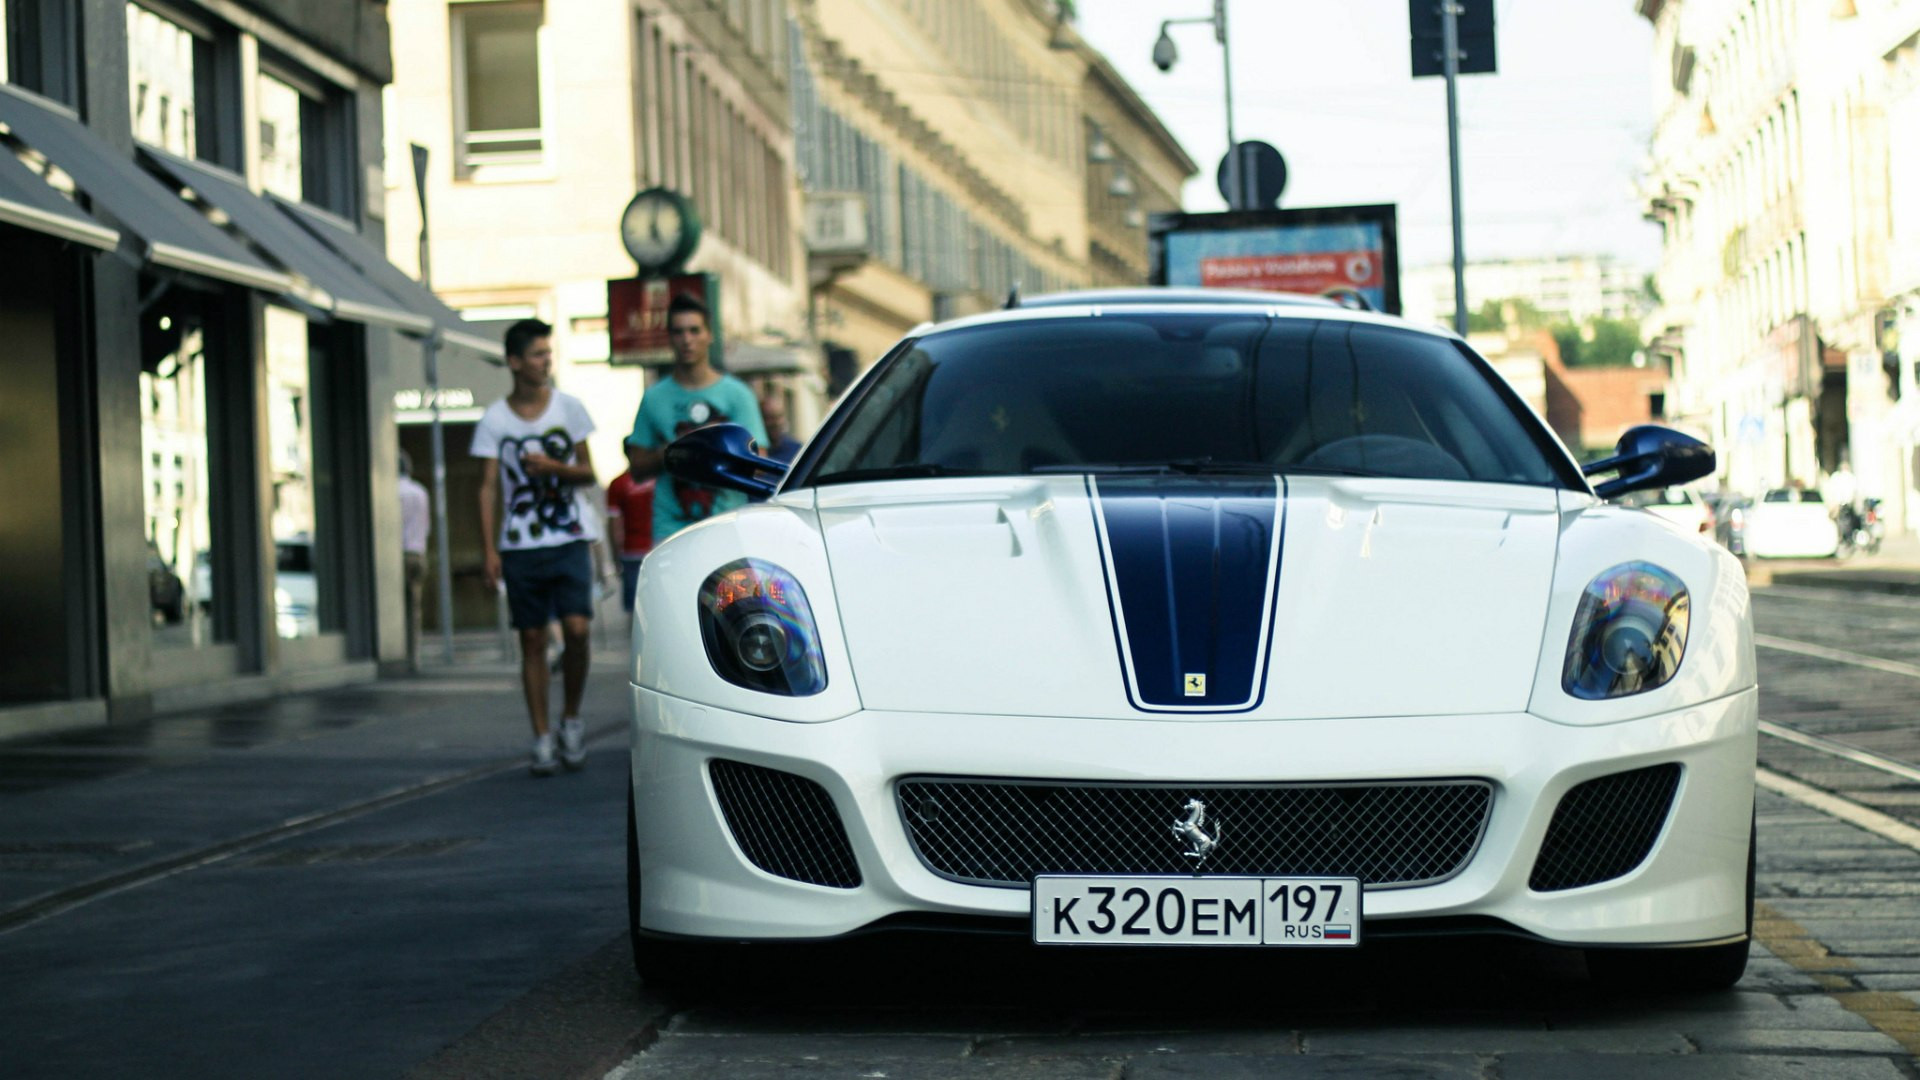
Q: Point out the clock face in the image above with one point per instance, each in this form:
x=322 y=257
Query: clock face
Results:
x=658 y=229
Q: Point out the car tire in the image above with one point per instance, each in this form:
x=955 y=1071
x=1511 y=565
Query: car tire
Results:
x=1698 y=969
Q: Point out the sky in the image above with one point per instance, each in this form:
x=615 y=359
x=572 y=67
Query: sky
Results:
x=1551 y=145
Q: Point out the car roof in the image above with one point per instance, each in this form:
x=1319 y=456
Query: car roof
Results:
x=1171 y=295
x=1175 y=300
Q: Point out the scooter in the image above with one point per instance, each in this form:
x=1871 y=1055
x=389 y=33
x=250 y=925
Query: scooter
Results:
x=1860 y=528
x=1875 y=527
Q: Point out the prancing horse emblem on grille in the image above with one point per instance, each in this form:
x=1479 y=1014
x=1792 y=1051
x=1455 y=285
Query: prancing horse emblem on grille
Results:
x=1199 y=844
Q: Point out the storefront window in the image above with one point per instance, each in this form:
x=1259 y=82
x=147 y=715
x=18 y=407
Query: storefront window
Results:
x=174 y=438
x=296 y=594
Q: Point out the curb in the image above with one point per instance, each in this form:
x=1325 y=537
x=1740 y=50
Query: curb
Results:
x=1897 y=582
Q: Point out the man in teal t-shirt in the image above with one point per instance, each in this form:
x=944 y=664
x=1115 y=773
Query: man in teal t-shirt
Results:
x=692 y=396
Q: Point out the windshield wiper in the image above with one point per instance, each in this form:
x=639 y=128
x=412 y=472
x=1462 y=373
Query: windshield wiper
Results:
x=907 y=471
x=1195 y=466
x=1202 y=466
x=1331 y=470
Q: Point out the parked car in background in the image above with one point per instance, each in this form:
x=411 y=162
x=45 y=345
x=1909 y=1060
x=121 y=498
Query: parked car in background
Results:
x=1791 y=523
x=1682 y=506
x=165 y=592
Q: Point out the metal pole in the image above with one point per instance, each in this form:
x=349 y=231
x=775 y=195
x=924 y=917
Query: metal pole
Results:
x=443 y=575
x=1241 y=199
x=1450 y=45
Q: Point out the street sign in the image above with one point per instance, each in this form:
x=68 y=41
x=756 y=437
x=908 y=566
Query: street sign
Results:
x=1474 y=19
x=637 y=316
x=1263 y=176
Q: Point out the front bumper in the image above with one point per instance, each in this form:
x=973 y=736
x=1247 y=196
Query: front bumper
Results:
x=1691 y=888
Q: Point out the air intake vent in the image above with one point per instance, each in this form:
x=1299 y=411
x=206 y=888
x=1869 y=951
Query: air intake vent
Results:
x=1003 y=832
x=1604 y=828
x=785 y=824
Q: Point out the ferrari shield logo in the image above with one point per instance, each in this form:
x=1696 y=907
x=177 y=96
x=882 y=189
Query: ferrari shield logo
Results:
x=1196 y=684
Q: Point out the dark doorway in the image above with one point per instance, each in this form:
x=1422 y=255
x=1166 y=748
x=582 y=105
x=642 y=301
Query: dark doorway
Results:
x=39 y=562
x=473 y=606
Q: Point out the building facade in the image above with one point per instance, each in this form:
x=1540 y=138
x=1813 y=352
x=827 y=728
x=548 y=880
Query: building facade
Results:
x=993 y=150
x=197 y=460
x=1783 y=176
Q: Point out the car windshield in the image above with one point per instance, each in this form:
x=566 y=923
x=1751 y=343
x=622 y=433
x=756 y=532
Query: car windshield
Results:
x=1188 y=392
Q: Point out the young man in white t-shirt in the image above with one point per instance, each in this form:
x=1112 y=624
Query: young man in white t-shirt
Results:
x=538 y=530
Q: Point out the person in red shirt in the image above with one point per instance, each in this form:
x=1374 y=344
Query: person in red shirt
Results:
x=630 y=528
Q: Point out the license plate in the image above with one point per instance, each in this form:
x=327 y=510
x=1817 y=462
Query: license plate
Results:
x=1172 y=910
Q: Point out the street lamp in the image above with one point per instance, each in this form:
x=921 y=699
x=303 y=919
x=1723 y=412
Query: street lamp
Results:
x=1164 y=57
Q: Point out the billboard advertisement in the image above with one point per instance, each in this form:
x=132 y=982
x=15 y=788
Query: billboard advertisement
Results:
x=1313 y=250
x=637 y=316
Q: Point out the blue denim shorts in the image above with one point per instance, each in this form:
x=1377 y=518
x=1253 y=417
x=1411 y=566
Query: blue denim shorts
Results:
x=544 y=584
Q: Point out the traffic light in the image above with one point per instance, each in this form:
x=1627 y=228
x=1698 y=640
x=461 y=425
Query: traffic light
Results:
x=1473 y=25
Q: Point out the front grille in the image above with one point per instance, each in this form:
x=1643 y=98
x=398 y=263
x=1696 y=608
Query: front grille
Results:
x=785 y=824
x=1604 y=828
x=1003 y=832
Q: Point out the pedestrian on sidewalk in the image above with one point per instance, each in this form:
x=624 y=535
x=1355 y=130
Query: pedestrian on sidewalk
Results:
x=630 y=521
x=693 y=395
x=415 y=523
x=781 y=445
x=535 y=472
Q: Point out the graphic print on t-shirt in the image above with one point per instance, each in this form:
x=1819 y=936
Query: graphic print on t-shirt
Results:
x=696 y=501
x=538 y=505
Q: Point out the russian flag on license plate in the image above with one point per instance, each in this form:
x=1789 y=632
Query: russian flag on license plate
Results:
x=1340 y=933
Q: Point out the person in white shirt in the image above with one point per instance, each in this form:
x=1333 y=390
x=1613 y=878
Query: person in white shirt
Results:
x=414 y=525
x=538 y=530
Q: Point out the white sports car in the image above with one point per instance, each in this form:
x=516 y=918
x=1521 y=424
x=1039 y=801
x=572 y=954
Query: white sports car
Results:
x=1193 y=619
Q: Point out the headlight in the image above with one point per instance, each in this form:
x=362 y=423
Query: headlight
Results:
x=1628 y=633
x=759 y=630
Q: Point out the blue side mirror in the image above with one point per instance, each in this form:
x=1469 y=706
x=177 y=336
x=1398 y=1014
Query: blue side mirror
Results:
x=722 y=456
x=1651 y=456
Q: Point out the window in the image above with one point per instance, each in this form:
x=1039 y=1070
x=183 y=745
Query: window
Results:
x=290 y=403
x=281 y=171
x=167 y=72
x=177 y=435
x=496 y=84
x=40 y=47
x=306 y=149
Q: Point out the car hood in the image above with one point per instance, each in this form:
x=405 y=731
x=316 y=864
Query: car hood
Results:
x=1211 y=598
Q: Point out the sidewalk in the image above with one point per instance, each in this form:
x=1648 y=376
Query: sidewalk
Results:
x=1894 y=569
x=82 y=807
x=335 y=883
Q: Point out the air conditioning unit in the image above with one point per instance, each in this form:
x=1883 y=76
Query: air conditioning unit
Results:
x=835 y=223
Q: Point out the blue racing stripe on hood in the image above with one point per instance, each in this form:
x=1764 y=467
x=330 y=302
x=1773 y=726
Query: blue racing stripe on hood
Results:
x=1192 y=559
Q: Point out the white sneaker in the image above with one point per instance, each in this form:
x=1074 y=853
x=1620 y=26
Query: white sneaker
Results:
x=573 y=742
x=542 y=763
